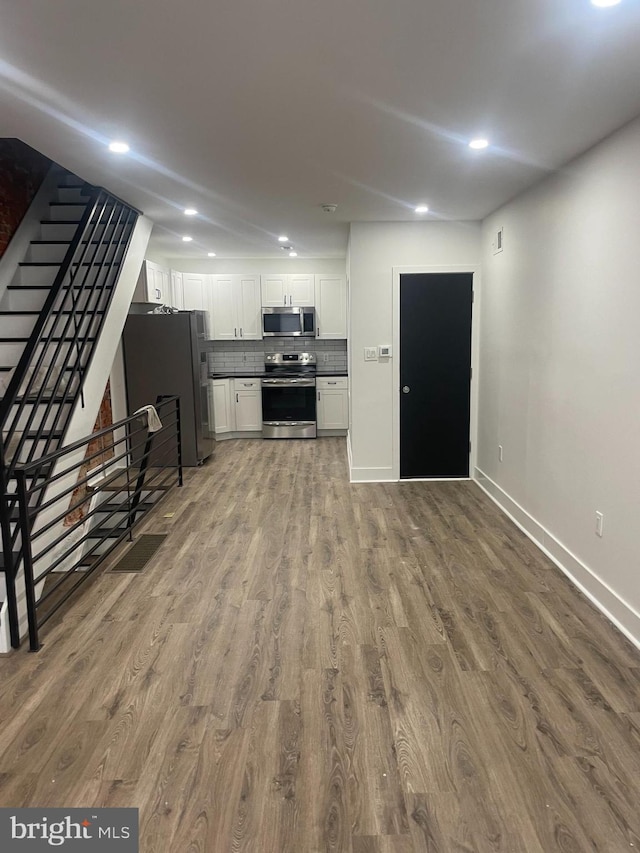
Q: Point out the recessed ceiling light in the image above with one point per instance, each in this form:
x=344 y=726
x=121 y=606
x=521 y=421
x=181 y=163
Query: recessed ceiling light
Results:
x=422 y=208
x=282 y=238
x=118 y=147
x=190 y=211
x=186 y=239
x=479 y=144
x=293 y=254
x=605 y=3
x=211 y=254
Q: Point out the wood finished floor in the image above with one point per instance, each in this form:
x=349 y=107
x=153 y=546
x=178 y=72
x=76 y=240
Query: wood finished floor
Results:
x=312 y=666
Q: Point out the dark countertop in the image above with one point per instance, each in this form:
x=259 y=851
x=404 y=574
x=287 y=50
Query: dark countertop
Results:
x=255 y=375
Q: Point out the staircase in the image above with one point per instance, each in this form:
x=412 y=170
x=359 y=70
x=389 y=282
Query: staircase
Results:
x=52 y=315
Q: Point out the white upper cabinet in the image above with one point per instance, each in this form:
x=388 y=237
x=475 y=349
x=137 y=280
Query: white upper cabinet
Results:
x=274 y=291
x=194 y=289
x=331 y=307
x=153 y=284
x=295 y=289
x=222 y=308
x=249 y=307
x=234 y=304
x=177 y=290
x=301 y=290
x=195 y=295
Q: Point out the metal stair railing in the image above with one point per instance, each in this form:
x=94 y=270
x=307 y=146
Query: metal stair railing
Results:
x=49 y=376
x=140 y=467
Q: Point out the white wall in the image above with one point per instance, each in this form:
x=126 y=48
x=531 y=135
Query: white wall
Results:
x=375 y=248
x=560 y=369
x=256 y=266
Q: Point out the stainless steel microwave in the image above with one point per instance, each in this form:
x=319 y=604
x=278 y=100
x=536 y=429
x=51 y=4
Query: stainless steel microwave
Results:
x=289 y=322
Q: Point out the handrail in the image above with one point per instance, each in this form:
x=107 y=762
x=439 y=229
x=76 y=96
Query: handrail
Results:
x=60 y=332
x=11 y=393
x=46 y=554
x=49 y=377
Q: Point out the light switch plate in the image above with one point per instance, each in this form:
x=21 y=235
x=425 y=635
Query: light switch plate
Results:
x=384 y=351
x=370 y=354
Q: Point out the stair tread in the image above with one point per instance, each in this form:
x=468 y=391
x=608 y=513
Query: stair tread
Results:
x=45 y=400
x=115 y=507
x=102 y=532
x=56 y=340
x=57 y=265
x=48 y=286
x=123 y=489
x=18 y=313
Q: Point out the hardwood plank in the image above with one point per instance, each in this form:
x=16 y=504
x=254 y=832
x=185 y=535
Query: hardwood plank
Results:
x=310 y=665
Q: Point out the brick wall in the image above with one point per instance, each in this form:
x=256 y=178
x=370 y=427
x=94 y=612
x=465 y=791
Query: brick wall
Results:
x=81 y=495
x=21 y=172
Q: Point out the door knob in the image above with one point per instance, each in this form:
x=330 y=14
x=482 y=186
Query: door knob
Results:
x=405 y=389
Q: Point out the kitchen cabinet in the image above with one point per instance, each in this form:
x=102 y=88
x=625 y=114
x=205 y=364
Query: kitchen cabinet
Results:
x=153 y=284
x=195 y=296
x=332 y=409
x=222 y=412
x=177 y=291
x=296 y=289
x=331 y=307
x=194 y=287
x=248 y=405
x=235 y=309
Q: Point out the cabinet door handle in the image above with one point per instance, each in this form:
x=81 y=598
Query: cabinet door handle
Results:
x=237 y=400
x=332 y=383
x=318 y=396
x=240 y=332
x=235 y=333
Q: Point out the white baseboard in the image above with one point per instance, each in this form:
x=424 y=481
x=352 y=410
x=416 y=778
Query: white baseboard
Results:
x=607 y=600
x=371 y=475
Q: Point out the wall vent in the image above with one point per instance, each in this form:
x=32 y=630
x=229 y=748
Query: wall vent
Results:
x=498 y=241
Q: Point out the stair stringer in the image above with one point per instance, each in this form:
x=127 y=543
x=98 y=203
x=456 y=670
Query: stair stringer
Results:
x=29 y=228
x=84 y=417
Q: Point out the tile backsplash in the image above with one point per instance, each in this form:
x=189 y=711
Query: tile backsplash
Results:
x=243 y=356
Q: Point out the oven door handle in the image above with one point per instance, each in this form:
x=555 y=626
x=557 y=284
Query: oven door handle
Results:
x=283 y=383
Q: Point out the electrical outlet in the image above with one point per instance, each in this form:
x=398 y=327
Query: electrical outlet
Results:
x=599 y=523
x=370 y=353
x=499 y=453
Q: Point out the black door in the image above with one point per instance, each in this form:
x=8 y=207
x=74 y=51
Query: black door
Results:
x=435 y=374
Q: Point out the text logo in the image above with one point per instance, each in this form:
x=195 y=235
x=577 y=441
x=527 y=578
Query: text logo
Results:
x=37 y=830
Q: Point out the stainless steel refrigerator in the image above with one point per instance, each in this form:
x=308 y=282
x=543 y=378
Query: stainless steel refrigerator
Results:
x=164 y=355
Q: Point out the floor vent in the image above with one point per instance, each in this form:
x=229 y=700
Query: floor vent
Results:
x=137 y=557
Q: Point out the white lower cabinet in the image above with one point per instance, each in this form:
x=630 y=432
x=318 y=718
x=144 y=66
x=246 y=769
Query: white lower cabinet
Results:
x=332 y=402
x=236 y=405
x=223 y=412
x=248 y=405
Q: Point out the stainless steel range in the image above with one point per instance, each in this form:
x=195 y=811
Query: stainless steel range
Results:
x=289 y=395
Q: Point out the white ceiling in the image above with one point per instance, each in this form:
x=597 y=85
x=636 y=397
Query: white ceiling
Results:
x=256 y=113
